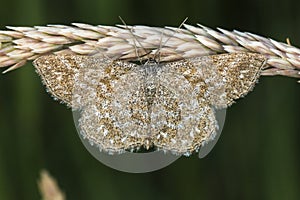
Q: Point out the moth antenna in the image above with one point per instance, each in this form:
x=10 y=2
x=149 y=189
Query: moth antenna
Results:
x=134 y=41
x=162 y=33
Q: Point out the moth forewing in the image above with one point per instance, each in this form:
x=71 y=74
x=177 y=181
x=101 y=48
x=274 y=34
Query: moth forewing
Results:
x=227 y=77
x=57 y=73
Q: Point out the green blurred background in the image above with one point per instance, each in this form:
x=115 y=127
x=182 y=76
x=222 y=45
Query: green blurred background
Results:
x=256 y=157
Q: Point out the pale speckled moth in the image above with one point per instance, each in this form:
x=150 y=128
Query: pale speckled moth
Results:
x=168 y=106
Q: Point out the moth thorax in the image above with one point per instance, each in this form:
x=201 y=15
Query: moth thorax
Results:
x=150 y=71
x=151 y=68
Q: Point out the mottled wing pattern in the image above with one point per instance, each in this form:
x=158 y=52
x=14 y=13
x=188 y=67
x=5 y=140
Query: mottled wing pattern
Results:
x=216 y=81
x=125 y=106
x=97 y=87
x=115 y=114
x=228 y=77
x=197 y=123
x=57 y=74
x=181 y=124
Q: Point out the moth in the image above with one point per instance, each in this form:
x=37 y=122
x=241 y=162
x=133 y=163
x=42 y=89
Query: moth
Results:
x=163 y=106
